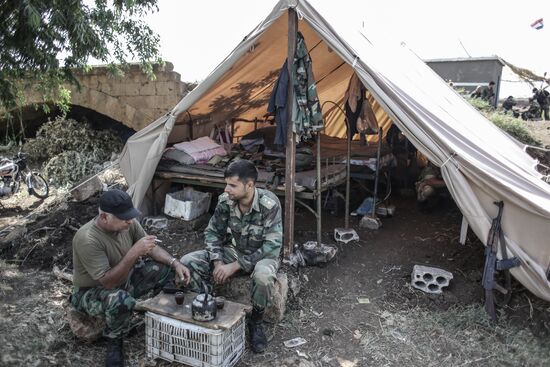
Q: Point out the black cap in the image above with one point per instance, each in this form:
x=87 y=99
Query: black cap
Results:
x=118 y=203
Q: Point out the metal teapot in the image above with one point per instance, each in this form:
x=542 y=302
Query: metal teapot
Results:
x=204 y=306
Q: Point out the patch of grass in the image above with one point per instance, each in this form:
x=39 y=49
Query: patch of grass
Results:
x=460 y=336
x=513 y=126
x=480 y=104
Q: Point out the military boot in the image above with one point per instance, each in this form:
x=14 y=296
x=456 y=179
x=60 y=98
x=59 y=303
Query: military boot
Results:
x=258 y=340
x=115 y=353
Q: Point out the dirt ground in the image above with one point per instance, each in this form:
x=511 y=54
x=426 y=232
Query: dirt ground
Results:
x=394 y=324
x=398 y=325
x=540 y=129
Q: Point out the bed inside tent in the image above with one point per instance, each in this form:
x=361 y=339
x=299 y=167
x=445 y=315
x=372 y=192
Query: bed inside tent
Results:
x=233 y=110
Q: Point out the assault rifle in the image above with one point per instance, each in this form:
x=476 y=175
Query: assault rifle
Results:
x=493 y=265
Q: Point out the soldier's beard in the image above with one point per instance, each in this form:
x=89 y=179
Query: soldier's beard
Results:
x=239 y=194
x=237 y=197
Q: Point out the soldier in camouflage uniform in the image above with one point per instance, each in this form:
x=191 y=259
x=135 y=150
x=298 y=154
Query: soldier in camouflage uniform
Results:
x=243 y=236
x=109 y=271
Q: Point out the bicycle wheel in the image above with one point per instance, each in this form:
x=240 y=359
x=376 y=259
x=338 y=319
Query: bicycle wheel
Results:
x=39 y=186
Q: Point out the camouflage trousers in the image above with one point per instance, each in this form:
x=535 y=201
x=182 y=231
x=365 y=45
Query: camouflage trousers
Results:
x=116 y=305
x=263 y=276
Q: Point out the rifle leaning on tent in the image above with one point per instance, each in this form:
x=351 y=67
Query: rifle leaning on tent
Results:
x=493 y=265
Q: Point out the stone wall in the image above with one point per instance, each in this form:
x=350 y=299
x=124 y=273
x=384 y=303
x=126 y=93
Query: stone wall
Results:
x=132 y=99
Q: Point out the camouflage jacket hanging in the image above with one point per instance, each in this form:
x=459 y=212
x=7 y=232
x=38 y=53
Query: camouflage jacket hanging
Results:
x=306 y=110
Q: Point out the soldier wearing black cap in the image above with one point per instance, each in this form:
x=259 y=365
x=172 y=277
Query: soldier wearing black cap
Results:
x=110 y=270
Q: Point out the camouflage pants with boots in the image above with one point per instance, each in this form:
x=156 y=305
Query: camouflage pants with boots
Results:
x=263 y=276
x=116 y=305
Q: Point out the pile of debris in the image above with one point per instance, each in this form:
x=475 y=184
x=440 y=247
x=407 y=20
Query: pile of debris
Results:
x=70 y=150
x=43 y=237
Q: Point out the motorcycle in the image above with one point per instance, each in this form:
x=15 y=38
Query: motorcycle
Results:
x=12 y=172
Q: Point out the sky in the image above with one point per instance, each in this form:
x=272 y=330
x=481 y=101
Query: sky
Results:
x=197 y=35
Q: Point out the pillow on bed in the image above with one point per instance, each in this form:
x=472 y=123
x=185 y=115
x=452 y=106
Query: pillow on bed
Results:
x=179 y=156
x=201 y=149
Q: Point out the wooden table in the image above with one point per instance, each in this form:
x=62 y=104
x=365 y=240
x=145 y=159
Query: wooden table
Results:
x=165 y=304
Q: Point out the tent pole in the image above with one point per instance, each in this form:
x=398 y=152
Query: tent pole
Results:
x=318 y=169
x=377 y=171
x=348 y=169
x=290 y=165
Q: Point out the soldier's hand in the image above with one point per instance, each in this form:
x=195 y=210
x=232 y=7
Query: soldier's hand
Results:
x=218 y=272
x=145 y=245
x=182 y=273
x=222 y=273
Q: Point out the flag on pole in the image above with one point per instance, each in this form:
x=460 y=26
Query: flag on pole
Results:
x=537 y=24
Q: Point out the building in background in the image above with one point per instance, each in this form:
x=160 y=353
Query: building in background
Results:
x=469 y=73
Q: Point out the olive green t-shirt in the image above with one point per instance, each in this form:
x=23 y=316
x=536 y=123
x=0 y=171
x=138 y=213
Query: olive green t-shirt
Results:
x=95 y=251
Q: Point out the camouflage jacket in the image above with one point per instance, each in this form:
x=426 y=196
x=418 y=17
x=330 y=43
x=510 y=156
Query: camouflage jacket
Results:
x=254 y=236
x=306 y=109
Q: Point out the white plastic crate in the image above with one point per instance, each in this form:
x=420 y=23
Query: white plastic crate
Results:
x=187 y=204
x=178 y=341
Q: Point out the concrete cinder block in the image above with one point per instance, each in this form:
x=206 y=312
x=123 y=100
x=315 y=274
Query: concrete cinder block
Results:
x=430 y=279
x=158 y=222
x=345 y=235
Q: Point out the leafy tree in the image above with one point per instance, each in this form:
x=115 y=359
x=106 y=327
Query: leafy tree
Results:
x=42 y=42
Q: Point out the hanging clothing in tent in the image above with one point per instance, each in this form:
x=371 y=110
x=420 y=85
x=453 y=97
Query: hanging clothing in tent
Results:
x=352 y=115
x=359 y=112
x=277 y=105
x=368 y=122
x=306 y=109
x=306 y=112
x=355 y=93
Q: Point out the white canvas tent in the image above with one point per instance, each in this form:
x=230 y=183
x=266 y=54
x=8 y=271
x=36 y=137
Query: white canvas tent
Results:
x=479 y=163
